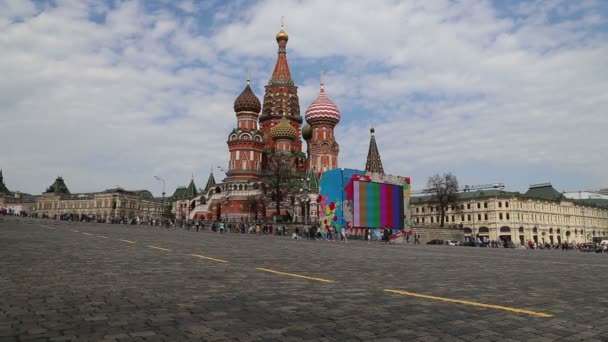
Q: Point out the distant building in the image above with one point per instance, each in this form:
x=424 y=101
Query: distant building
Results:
x=15 y=202
x=105 y=206
x=542 y=214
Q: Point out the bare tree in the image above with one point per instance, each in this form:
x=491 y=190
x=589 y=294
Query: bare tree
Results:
x=253 y=205
x=281 y=181
x=444 y=192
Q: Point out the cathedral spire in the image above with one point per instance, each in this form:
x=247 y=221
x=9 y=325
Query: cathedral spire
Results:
x=3 y=188
x=281 y=73
x=210 y=182
x=373 y=164
x=191 y=190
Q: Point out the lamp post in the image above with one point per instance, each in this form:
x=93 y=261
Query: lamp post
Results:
x=227 y=207
x=162 y=211
x=306 y=187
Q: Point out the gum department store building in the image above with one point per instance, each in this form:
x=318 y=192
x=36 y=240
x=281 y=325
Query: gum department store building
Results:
x=541 y=214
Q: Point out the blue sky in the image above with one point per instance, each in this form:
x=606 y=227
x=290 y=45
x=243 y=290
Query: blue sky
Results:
x=109 y=93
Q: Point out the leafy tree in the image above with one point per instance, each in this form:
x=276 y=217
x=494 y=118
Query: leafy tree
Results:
x=444 y=192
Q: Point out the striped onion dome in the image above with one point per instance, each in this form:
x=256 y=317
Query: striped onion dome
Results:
x=247 y=101
x=322 y=109
x=283 y=130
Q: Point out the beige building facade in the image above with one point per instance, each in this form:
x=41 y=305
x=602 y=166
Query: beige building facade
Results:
x=542 y=215
x=107 y=206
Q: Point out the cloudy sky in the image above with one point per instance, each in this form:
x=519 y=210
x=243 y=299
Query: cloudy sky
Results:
x=109 y=93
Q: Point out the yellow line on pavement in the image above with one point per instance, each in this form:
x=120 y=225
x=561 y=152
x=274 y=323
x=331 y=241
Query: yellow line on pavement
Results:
x=87 y=233
x=101 y=236
x=126 y=241
x=295 y=275
x=75 y=231
x=208 y=258
x=162 y=249
x=466 y=302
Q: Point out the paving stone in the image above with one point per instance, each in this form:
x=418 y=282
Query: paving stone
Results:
x=60 y=285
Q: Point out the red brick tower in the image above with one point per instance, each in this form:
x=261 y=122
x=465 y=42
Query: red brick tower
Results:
x=323 y=116
x=281 y=102
x=245 y=142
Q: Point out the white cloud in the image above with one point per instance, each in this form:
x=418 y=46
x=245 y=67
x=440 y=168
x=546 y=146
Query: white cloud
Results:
x=449 y=85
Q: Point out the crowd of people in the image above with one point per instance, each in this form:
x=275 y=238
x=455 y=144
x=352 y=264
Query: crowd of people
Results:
x=597 y=247
x=314 y=232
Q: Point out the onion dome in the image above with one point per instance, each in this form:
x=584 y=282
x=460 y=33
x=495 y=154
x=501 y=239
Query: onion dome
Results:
x=283 y=130
x=282 y=35
x=247 y=101
x=307 y=132
x=323 y=109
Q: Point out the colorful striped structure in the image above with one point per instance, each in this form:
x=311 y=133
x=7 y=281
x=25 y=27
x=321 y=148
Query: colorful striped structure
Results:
x=378 y=205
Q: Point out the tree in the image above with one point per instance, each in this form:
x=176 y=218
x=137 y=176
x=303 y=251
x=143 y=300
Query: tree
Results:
x=281 y=181
x=444 y=192
x=252 y=205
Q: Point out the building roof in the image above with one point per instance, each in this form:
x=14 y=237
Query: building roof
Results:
x=247 y=101
x=473 y=195
x=210 y=183
x=179 y=192
x=322 y=109
x=593 y=202
x=191 y=190
x=283 y=130
x=307 y=132
x=374 y=163
x=58 y=187
x=281 y=73
x=543 y=191
x=3 y=188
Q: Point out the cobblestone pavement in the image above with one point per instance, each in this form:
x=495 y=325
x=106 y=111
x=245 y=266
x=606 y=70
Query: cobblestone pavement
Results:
x=67 y=281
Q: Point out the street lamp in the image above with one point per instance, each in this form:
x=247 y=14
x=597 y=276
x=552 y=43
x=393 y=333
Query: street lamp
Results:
x=306 y=187
x=227 y=207
x=162 y=212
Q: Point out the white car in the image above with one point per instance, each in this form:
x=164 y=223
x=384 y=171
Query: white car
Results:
x=452 y=242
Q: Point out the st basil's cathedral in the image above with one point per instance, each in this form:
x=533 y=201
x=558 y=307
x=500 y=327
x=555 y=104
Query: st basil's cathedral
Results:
x=265 y=144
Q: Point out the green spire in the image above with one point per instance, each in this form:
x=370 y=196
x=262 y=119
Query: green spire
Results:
x=58 y=187
x=210 y=183
x=191 y=190
x=3 y=188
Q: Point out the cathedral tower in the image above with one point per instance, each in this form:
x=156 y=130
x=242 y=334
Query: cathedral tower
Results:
x=281 y=100
x=322 y=116
x=245 y=142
